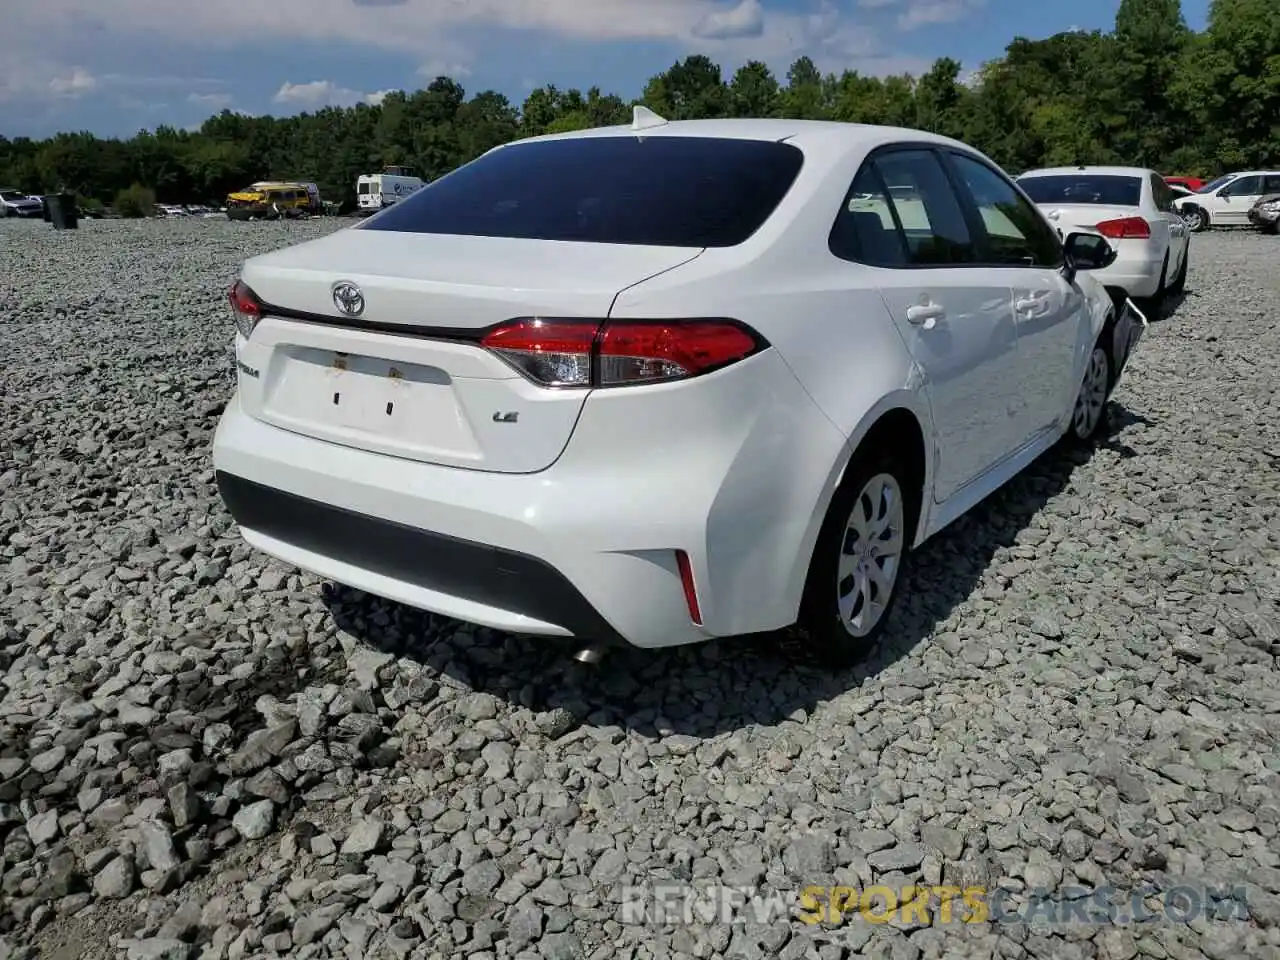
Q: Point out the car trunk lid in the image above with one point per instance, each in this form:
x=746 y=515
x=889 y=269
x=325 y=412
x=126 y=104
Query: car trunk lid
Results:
x=406 y=376
x=1070 y=216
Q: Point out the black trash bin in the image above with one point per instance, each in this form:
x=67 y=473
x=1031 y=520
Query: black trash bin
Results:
x=62 y=211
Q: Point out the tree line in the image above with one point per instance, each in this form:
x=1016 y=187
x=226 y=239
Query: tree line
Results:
x=1151 y=92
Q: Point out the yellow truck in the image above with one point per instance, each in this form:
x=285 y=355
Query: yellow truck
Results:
x=269 y=200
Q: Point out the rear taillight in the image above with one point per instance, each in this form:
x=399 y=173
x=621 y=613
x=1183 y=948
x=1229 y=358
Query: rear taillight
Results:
x=246 y=307
x=1126 y=228
x=690 y=588
x=614 y=353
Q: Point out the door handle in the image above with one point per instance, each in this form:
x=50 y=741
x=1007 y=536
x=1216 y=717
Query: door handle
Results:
x=925 y=315
x=1032 y=303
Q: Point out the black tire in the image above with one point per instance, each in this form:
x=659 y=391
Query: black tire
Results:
x=820 y=614
x=1180 y=281
x=1153 y=306
x=1086 y=430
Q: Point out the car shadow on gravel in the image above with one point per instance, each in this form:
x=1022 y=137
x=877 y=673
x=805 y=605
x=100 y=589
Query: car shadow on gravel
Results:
x=728 y=684
x=1173 y=303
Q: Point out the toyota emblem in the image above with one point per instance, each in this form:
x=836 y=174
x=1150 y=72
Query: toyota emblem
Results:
x=348 y=298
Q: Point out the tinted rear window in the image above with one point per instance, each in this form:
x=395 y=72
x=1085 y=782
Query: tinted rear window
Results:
x=1113 y=190
x=661 y=191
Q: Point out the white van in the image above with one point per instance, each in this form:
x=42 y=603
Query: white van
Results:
x=377 y=190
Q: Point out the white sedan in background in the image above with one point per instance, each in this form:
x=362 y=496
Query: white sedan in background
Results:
x=1134 y=209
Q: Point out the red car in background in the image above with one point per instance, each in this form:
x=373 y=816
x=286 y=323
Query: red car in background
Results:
x=1191 y=183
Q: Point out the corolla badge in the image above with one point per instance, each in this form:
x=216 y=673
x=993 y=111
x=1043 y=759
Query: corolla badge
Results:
x=348 y=298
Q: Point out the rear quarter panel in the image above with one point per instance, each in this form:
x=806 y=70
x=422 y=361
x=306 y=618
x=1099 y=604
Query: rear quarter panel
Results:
x=824 y=315
x=825 y=318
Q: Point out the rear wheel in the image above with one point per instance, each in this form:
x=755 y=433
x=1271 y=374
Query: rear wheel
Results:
x=1153 y=305
x=858 y=559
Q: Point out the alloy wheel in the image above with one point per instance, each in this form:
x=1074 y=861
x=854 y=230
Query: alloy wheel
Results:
x=870 y=555
x=1093 y=395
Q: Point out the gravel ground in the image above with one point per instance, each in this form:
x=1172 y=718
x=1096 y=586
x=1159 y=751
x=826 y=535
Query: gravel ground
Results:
x=204 y=754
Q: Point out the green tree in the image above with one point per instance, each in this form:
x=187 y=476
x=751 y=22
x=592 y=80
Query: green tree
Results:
x=753 y=92
x=805 y=97
x=690 y=90
x=1228 y=85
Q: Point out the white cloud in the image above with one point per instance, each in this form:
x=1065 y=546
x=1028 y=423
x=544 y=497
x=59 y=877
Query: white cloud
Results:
x=74 y=84
x=323 y=93
x=34 y=77
x=744 y=20
x=444 y=68
x=411 y=27
x=824 y=22
x=446 y=37
x=210 y=101
x=922 y=13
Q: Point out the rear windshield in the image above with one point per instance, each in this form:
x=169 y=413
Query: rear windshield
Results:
x=1110 y=189
x=660 y=191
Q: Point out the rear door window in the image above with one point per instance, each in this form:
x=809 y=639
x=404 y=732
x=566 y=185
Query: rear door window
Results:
x=658 y=190
x=1244 y=187
x=1014 y=232
x=924 y=207
x=866 y=229
x=902 y=211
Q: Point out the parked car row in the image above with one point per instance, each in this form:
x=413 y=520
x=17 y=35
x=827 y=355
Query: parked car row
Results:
x=15 y=203
x=1233 y=200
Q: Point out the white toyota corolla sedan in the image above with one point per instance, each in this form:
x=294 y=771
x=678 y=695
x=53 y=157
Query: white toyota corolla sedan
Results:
x=664 y=382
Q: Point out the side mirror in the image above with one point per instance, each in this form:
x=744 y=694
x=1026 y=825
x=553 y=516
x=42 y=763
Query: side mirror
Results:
x=1089 y=251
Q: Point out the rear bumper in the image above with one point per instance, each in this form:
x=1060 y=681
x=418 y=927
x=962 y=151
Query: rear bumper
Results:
x=322 y=535
x=586 y=548
x=1136 y=269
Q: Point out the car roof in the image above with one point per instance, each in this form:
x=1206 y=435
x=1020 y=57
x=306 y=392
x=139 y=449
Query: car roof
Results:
x=1097 y=171
x=806 y=134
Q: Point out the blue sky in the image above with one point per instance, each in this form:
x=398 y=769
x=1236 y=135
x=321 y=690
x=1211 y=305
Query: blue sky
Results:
x=115 y=66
